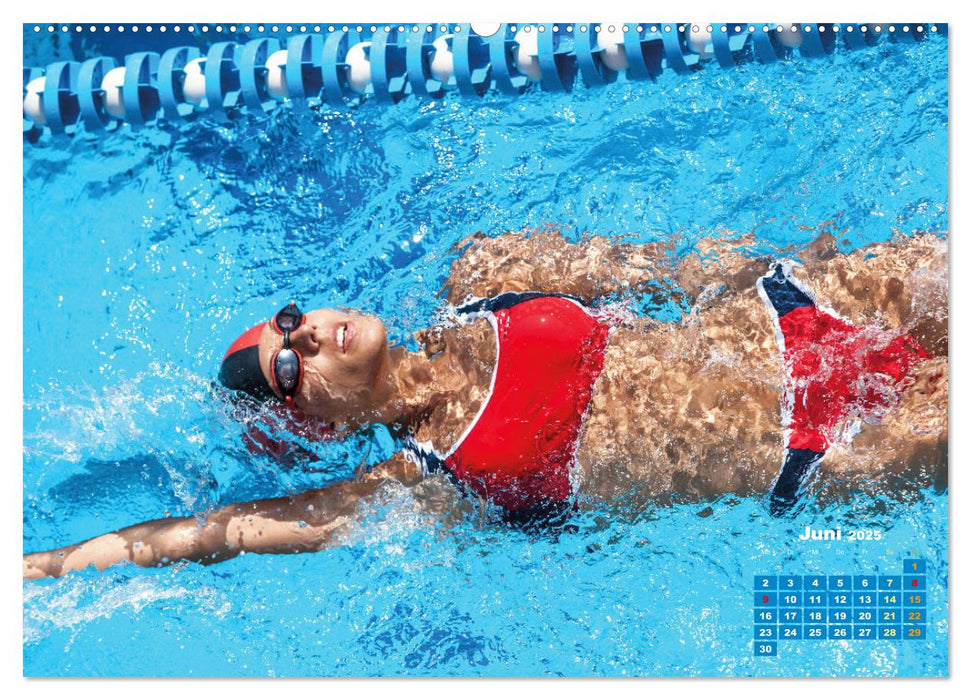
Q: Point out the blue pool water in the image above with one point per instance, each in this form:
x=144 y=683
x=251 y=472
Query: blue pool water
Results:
x=145 y=254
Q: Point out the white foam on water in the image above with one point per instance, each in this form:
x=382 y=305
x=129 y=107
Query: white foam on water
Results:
x=74 y=602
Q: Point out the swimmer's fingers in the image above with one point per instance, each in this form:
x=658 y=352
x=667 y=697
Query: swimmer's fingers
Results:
x=651 y=258
x=37 y=566
x=430 y=340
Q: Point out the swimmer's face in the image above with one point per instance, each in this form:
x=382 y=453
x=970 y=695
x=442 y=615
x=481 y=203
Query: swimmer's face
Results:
x=345 y=363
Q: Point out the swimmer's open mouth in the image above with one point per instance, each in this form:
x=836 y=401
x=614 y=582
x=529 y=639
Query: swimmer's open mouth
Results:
x=344 y=336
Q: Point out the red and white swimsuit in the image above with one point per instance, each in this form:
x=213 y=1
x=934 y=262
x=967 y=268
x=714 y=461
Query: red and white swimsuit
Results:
x=519 y=449
x=836 y=371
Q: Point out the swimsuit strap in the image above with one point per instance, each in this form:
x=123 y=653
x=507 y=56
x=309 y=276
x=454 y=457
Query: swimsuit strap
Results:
x=507 y=300
x=431 y=462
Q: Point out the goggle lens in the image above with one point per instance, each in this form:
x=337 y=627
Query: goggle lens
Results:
x=286 y=371
x=287 y=363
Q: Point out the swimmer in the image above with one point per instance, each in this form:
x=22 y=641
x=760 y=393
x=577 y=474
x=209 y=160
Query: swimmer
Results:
x=823 y=372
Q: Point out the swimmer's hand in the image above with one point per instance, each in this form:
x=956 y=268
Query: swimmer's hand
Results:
x=36 y=566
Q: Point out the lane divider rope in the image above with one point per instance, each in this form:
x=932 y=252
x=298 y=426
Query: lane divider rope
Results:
x=345 y=66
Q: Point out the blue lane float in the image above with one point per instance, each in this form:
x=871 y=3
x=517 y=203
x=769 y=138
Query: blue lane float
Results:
x=60 y=103
x=508 y=80
x=171 y=81
x=594 y=69
x=343 y=67
x=767 y=48
x=557 y=58
x=818 y=40
x=303 y=75
x=91 y=94
x=222 y=81
x=139 y=91
x=337 y=92
x=644 y=49
x=679 y=57
x=254 y=73
x=419 y=47
x=726 y=46
x=388 y=59
x=473 y=68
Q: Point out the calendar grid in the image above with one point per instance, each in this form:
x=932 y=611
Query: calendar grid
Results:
x=817 y=607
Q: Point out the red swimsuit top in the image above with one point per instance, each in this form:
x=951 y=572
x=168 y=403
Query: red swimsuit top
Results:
x=519 y=449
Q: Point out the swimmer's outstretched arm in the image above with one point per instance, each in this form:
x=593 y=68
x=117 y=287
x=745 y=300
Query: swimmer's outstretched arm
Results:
x=544 y=261
x=309 y=521
x=598 y=267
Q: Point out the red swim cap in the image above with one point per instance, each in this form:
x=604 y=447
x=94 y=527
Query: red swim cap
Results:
x=241 y=369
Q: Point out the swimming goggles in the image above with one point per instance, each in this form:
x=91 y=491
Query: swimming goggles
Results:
x=287 y=364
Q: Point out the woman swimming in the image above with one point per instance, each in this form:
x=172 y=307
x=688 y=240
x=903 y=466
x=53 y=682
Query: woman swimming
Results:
x=535 y=402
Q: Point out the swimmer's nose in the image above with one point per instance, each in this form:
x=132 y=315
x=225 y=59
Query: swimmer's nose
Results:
x=304 y=339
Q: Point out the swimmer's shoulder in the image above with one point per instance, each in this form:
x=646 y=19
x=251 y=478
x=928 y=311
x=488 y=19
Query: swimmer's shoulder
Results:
x=464 y=355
